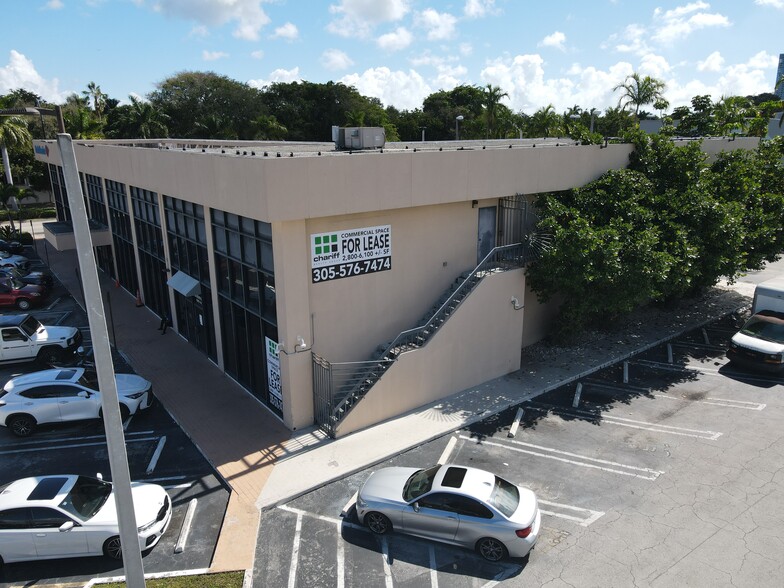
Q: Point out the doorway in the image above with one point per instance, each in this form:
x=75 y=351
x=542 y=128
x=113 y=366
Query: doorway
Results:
x=486 y=232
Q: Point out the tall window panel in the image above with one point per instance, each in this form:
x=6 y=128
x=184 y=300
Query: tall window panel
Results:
x=122 y=236
x=152 y=258
x=187 y=237
x=96 y=211
x=60 y=195
x=246 y=290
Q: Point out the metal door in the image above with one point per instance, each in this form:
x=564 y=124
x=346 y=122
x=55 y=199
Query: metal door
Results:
x=485 y=232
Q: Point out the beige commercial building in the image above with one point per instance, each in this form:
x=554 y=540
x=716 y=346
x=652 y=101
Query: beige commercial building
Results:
x=339 y=288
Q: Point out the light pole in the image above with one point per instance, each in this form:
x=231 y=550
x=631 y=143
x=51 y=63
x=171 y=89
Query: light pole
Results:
x=423 y=133
x=458 y=118
x=115 y=437
x=594 y=113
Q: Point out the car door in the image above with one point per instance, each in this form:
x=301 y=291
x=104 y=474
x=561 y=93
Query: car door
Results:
x=431 y=516
x=6 y=292
x=14 y=344
x=42 y=402
x=49 y=540
x=16 y=538
x=476 y=521
x=74 y=407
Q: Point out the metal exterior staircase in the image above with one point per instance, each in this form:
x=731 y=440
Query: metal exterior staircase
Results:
x=338 y=387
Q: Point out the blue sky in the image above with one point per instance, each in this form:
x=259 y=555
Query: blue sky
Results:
x=546 y=52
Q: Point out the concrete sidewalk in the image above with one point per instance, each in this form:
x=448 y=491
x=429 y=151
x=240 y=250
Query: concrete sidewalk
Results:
x=264 y=465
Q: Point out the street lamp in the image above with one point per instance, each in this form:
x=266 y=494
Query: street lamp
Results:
x=115 y=437
x=594 y=112
x=423 y=133
x=458 y=118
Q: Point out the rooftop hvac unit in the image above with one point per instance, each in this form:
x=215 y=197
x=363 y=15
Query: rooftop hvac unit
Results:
x=358 y=138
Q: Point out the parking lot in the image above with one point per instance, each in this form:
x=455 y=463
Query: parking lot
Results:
x=664 y=471
x=158 y=452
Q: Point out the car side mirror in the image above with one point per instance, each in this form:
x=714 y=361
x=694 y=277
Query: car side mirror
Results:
x=66 y=526
x=83 y=394
x=415 y=506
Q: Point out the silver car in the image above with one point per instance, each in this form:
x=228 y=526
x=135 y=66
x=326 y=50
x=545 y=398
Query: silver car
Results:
x=453 y=504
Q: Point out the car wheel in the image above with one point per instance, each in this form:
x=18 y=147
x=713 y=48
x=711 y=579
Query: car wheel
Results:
x=378 y=523
x=49 y=355
x=23 y=304
x=22 y=425
x=112 y=548
x=491 y=549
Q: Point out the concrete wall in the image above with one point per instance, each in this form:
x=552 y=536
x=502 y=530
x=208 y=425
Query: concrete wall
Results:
x=479 y=342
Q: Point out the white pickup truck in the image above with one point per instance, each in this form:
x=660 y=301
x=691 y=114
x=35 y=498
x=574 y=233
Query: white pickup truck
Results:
x=24 y=338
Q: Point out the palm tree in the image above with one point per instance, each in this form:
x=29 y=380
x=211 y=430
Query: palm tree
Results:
x=80 y=124
x=142 y=120
x=267 y=128
x=13 y=133
x=491 y=100
x=98 y=97
x=639 y=91
x=545 y=122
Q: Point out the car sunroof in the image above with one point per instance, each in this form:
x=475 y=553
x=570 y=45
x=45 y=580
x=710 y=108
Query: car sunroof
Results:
x=47 y=489
x=454 y=477
x=65 y=375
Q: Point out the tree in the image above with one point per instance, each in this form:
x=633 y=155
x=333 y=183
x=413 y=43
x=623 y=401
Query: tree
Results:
x=13 y=133
x=492 y=104
x=639 y=91
x=98 y=98
x=137 y=120
x=545 y=122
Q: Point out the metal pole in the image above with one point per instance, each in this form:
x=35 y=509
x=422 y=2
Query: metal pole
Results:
x=111 y=316
x=115 y=438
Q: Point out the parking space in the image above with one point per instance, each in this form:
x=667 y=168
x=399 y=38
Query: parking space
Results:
x=661 y=472
x=158 y=452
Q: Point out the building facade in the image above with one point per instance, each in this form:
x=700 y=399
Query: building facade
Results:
x=340 y=288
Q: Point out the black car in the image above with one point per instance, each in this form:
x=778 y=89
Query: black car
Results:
x=14 y=247
x=36 y=278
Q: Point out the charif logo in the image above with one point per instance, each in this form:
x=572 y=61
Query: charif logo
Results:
x=325 y=244
x=272 y=348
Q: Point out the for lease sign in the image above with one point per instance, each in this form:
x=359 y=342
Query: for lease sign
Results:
x=352 y=252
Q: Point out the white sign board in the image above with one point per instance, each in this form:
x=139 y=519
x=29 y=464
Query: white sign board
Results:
x=352 y=252
x=273 y=374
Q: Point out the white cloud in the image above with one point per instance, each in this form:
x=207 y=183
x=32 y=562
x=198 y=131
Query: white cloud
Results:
x=21 y=73
x=259 y=54
x=556 y=40
x=405 y=90
x=680 y=22
x=54 y=5
x=279 y=75
x=199 y=31
x=653 y=65
x=631 y=40
x=288 y=31
x=774 y=3
x=713 y=62
x=466 y=49
x=335 y=60
x=248 y=15
x=448 y=76
x=213 y=55
x=398 y=39
x=439 y=25
x=479 y=8
x=358 y=18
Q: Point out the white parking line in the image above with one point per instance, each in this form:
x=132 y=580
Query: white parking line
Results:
x=646 y=473
x=622 y=422
x=723 y=402
x=447 y=451
x=50 y=441
x=341 y=571
x=593 y=515
x=74 y=445
x=385 y=559
x=156 y=455
x=433 y=568
x=186 y=526
x=295 y=553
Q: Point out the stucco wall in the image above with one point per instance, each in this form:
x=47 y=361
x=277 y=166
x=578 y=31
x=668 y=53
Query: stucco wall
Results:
x=479 y=342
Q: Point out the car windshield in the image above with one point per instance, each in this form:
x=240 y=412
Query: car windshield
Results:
x=765 y=327
x=420 y=482
x=86 y=497
x=505 y=497
x=89 y=379
x=30 y=325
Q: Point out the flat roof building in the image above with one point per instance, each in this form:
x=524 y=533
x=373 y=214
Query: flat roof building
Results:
x=340 y=288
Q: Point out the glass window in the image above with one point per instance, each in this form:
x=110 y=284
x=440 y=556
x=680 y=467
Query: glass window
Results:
x=14 y=518
x=505 y=497
x=419 y=483
x=46 y=518
x=41 y=392
x=252 y=298
x=465 y=506
x=437 y=500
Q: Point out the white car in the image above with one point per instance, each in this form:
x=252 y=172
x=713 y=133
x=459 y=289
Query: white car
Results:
x=454 y=504
x=11 y=260
x=50 y=517
x=65 y=394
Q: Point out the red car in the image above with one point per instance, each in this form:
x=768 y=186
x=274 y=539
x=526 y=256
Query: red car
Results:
x=22 y=296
